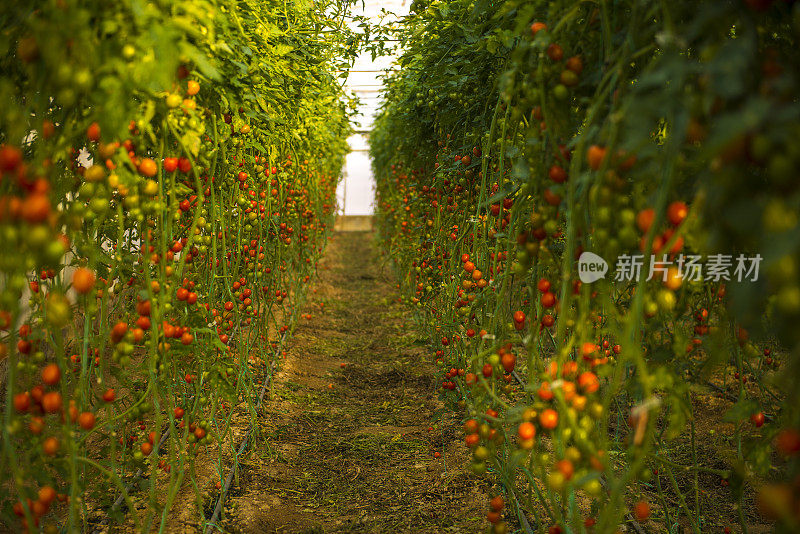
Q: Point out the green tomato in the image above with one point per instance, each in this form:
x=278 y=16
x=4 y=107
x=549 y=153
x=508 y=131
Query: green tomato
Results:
x=593 y=487
x=479 y=468
x=173 y=100
x=38 y=236
x=555 y=480
x=98 y=205
x=83 y=79
x=58 y=310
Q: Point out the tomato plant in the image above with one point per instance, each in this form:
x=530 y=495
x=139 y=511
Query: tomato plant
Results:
x=167 y=182
x=517 y=136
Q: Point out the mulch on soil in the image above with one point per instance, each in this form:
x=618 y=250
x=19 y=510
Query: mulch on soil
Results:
x=346 y=442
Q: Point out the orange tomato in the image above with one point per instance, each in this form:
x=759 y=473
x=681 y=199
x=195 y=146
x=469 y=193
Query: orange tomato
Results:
x=51 y=402
x=526 y=430
x=22 y=402
x=148 y=167
x=47 y=494
x=93 y=132
x=677 y=212
x=536 y=27
x=51 y=374
x=50 y=446
x=83 y=280
x=497 y=503
x=86 y=420
x=641 y=510
x=548 y=418
x=589 y=382
x=595 y=156
x=644 y=220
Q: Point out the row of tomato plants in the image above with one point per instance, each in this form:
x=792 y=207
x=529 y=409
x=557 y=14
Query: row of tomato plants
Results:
x=516 y=136
x=167 y=181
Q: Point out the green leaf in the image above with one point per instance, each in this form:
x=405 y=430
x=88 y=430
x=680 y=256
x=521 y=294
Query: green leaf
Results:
x=191 y=140
x=201 y=61
x=283 y=49
x=740 y=411
x=507 y=38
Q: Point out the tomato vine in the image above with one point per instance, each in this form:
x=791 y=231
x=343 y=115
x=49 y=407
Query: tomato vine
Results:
x=167 y=182
x=517 y=136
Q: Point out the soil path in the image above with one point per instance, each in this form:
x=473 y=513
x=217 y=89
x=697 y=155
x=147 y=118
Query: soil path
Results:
x=347 y=440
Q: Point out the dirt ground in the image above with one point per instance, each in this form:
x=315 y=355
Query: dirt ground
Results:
x=346 y=440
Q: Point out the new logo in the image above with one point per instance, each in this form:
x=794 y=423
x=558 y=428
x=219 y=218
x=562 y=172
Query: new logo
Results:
x=591 y=267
